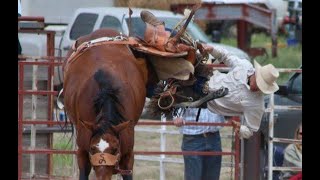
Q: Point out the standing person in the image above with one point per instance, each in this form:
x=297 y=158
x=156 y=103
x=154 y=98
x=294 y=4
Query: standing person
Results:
x=200 y=138
x=247 y=86
x=293 y=157
x=19 y=14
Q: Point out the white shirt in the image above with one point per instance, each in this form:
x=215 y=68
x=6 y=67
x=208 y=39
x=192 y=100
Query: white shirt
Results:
x=205 y=116
x=19 y=7
x=240 y=100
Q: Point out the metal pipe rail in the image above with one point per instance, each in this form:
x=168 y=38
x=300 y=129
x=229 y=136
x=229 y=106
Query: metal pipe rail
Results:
x=41 y=59
x=285 y=140
x=31 y=18
x=140 y=129
x=280 y=168
x=173 y=160
x=204 y=153
x=31 y=22
x=283 y=108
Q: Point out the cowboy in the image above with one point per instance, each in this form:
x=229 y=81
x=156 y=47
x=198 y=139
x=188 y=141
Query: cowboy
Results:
x=247 y=86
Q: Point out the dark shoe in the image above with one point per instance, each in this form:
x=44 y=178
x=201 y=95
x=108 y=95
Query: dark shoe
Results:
x=149 y=18
x=212 y=95
x=220 y=93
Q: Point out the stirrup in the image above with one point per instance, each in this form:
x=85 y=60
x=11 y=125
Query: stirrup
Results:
x=148 y=17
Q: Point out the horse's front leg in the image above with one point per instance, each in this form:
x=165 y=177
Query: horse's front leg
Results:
x=126 y=163
x=84 y=164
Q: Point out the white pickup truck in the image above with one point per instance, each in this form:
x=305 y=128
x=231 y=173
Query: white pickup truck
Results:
x=87 y=20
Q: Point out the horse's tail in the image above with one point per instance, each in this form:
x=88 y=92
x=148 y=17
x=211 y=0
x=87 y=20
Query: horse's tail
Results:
x=106 y=103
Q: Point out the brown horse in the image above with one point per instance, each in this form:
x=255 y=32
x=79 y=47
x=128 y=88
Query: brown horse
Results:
x=104 y=95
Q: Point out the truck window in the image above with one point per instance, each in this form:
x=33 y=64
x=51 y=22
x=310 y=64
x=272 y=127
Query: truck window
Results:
x=297 y=85
x=111 y=22
x=138 y=27
x=83 y=25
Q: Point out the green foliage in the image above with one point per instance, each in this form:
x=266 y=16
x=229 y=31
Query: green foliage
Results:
x=287 y=57
x=62 y=163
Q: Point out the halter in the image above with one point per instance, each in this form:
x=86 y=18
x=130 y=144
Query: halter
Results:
x=104 y=159
x=107 y=159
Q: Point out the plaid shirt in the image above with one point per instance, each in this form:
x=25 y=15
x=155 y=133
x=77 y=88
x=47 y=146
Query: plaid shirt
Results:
x=205 y=116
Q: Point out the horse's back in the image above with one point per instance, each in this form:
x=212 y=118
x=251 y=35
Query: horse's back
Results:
x=103 y=32
x=119 y=63
x=107 y=56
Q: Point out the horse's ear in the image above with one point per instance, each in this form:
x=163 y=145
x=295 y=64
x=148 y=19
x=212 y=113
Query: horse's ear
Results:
x=121 y=126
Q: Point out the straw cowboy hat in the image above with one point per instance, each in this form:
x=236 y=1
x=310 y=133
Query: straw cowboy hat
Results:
x=266 y=77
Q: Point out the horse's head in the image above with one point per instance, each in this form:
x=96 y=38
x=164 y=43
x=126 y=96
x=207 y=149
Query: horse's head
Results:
x=105 y=151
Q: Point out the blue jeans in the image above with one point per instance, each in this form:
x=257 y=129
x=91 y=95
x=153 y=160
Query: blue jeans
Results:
x=202 y=167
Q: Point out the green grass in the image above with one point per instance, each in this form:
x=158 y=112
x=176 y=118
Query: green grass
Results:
x=62 y=163
x=288 y=57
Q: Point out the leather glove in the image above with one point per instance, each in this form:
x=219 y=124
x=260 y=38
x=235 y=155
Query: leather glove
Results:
x=244 y=131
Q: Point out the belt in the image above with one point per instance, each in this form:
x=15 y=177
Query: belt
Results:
x=206 y=134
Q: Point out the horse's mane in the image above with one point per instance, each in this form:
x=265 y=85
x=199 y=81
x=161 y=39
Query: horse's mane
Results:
x=106 y=104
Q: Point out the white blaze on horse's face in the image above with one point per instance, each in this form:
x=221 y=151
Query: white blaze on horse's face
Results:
x=102 y=145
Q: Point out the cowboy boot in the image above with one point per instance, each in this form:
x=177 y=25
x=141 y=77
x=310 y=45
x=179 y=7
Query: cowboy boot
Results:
x=155 y=34
x=149 y=18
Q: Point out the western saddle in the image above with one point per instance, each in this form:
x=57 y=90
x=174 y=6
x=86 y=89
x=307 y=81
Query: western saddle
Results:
x=185 y=80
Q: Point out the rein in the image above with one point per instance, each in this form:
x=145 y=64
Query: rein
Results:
x=168 y=94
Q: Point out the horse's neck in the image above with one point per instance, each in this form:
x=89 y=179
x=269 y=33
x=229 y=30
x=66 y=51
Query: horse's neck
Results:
x=152 y=75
